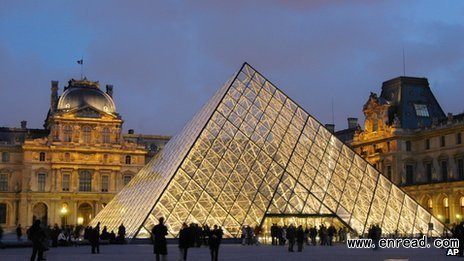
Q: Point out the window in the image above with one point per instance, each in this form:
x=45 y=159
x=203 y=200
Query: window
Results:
x=458 y=138
x=442 y=141
x=2 y=213
x=409 y=174
x=428 y=170
x=446 y=210
x=65 y=182
x=127 y=179
x=460 y=163
x=389 y=172
x=3 y=182
x=67 y=157
x=427 y=144
x=105 y=158
x=444 y=170
x=41 y=182
x=105 y=183
x=67 y=133
x=106 y=135
x=85 y=180
x=5 y=156
x=375 y=125
x=42 y=156
x=408 y=145
x=421 y=110
x=128 y=159
x=86 y=134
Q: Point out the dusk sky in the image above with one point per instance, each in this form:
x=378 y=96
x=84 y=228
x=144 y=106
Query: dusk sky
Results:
x=167 y=58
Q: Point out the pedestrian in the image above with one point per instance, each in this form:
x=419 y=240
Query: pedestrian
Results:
x=215 y=242
x=184 y=241
x=54 y=234
x=1 y=236
x=300 y=238
x=291 y=233
x=38 y=237
x=312 y=235
x=95 y=238
x=244 y=235
x=331 y=233
x=122 y=234
x=19 y=232
x=159 y=233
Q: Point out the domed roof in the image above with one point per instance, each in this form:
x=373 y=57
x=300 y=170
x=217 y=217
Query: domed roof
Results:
x=82 y=93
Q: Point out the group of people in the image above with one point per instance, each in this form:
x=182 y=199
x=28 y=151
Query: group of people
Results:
x=250 y=236
x=281 y=235
x=189 y=236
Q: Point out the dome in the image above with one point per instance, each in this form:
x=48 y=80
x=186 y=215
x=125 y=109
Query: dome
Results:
x=82 y=93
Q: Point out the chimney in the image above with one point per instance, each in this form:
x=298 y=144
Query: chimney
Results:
x=352 y=123
x=23 y=125
x=131 y=131
x=330 y=127
x=54 y=96
x=109 y=90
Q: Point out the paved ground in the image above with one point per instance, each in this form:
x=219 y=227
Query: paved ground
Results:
x=228 y=252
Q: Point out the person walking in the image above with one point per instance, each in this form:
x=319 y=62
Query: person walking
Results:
x=121 y=234
x=291 y=237
x=215 y=242
x=159 y=233
x=95 y=239
x=37 y=235
x=184 y=241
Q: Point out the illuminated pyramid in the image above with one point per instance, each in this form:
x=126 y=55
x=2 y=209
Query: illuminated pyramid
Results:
x=251 y=152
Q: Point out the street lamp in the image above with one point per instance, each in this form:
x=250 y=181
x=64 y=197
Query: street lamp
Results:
x=64 y=212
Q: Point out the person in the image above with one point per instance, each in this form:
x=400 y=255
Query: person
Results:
x=215 y=242
x=184 y=241
x=94 y=238
x=19 y=232
x=312 y=235
x=55 y=233
x=1 y=236
x=37 y=235
x=159 y=233
x=291 y=237
x=122 y=234
x=300 y=238
x=331 y=233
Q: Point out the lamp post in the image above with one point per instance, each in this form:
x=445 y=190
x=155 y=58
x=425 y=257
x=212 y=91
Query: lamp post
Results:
x=64 y=212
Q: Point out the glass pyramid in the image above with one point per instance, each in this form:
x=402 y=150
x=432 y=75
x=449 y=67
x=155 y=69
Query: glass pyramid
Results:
x=252 y=151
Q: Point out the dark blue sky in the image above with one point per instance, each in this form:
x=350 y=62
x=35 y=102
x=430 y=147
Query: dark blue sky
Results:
x=167 y=58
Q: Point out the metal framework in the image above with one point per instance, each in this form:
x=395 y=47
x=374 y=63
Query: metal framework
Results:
x=251 y=151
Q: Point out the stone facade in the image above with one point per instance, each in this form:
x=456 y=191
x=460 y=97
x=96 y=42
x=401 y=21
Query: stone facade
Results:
x=67 y=172
x=410 y=140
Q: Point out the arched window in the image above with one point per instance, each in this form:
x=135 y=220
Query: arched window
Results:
x=106 y=135
x=5 y=156
x=446 y=210
x=67 y=133
x=85 y=180
x=128 y=159
x=86 y=134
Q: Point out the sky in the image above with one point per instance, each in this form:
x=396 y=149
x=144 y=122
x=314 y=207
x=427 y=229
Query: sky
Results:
x=167 y=58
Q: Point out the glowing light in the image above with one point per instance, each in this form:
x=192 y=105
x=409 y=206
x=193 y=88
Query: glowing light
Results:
x=80 y=220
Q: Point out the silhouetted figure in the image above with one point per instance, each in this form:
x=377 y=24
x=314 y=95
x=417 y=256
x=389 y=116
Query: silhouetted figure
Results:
x=274 y=234
x=312 y=235
x=104 y=234
x=95 y=239
x=1 y=236
x=331 y=233
x=215 y=242
x=38 y=237
x=291 y=233
x=54 y=234
x=19 y=232
x=184 y=241
x=300 y=237
x=159 y=233
x=206 y=232
x=122 y=234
